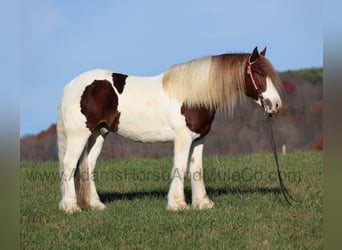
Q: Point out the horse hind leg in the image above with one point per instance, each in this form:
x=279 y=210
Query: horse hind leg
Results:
x=87 y=195
x=74 y=147
x=61 y=141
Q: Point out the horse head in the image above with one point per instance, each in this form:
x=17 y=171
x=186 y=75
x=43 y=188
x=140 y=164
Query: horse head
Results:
x=262 y=82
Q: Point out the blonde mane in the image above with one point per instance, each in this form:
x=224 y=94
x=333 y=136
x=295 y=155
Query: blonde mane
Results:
x=211 y=82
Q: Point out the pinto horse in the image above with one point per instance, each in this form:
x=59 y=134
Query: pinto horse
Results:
x=178 y=105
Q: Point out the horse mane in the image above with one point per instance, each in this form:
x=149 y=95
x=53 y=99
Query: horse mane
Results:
x=212 y=82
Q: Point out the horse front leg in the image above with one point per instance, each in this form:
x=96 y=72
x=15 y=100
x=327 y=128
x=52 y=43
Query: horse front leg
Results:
x=176 y=197
x=200 y=198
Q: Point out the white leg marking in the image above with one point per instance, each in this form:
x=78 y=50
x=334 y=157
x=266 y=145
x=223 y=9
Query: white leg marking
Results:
x=200 y=198
x=94 y=200
x=74 y=148
x=182 y=144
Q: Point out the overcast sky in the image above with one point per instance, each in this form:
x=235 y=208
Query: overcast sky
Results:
x=61 y=39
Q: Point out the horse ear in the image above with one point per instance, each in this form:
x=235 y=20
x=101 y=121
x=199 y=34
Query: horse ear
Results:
x=263 y=52
x=255 y=55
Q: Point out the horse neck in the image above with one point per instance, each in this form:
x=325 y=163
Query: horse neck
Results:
x=227 y=79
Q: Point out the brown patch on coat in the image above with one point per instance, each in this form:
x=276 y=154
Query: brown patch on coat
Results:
x=198 y=119
x=119 y=81
x=99 y=104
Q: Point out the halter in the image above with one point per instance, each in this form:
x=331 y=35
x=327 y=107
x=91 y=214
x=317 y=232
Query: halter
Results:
x=249 y=72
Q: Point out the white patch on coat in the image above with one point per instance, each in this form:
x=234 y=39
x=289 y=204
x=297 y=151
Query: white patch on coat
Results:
x=147 y=114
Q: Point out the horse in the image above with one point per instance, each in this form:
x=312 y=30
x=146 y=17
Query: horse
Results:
x=176 y=106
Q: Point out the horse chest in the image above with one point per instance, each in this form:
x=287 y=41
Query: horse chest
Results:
x=198 y=119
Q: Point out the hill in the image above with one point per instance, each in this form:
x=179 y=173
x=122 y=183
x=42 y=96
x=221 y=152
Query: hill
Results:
x=298 y=126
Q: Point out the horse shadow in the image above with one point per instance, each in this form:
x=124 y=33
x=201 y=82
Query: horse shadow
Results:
x=108 y=197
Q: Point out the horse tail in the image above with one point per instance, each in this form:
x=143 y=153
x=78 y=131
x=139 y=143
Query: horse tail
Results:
x=82 y=180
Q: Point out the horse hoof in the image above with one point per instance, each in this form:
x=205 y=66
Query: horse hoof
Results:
x=98 y=205
x=177 y=207
x=205 y=204
x=69 y=207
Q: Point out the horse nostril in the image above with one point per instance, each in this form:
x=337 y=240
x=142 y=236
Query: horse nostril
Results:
x=278 y=106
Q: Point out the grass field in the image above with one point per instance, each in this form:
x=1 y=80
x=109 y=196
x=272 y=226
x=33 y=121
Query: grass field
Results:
x=248 y=213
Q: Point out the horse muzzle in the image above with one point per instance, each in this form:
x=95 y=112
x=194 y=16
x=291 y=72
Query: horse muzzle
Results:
x=271 y=106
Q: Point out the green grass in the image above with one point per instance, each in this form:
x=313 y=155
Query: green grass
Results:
x=248 y=213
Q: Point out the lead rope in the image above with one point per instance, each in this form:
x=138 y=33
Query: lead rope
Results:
x=283 y=189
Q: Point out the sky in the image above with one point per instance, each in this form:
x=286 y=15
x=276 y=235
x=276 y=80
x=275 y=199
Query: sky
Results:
x=60 y=39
